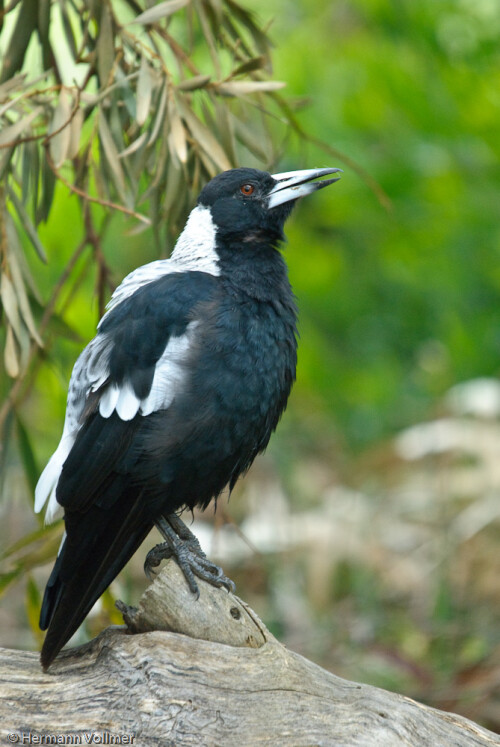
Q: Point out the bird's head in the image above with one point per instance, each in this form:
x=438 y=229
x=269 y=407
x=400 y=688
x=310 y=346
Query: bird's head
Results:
x=248 y=203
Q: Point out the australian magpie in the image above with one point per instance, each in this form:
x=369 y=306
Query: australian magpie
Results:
x=177 y=393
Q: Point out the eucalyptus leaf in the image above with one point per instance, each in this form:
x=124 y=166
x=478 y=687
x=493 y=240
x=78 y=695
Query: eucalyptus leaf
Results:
x=105 y=46
x=10 y=355
x=144 y=89
x=28 y=226
x=192 y=84
x=11 y=133
x=159 y=11
x=112 y=156
x=205 y=139
x=60 y=142
x=244 y=87
x=31 y=469
x=10 y=305
x=75 y=133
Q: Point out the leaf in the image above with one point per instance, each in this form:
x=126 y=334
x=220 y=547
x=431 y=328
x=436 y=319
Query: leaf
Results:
x=48 y=186
x=22 y=299
x=75 y=133
x=191 y=84
x=205 y=138
x=244 y=87
x=27 y=454
x=162 y=10
x=112 y=157
x=27 y=225
x=14 y=83
x=10 y=354
x=11 y=133
x=135 y=145
x=255 y=63
x=59 y=143
x=177 y=135
x=68 y=30
x=251 y=139
x=105 y=46
x=10 y=305
x=160 y=114
x=144 y=89
x=26 y=23
x=5 y=160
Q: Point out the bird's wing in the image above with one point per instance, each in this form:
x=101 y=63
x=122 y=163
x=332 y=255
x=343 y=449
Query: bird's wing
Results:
x=135 y=365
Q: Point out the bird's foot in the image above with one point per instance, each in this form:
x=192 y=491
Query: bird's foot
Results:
x=181 y=544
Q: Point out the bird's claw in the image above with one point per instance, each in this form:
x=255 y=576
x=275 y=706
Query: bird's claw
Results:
x=191 y=560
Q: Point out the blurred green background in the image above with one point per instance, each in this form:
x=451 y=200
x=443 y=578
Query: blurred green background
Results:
x=378 y=562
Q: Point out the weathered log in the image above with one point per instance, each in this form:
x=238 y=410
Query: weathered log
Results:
x=221 y=679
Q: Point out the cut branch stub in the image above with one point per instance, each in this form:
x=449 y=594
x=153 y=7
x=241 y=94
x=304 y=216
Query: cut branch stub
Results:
x=217 y=615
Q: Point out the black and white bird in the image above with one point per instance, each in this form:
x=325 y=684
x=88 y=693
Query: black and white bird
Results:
x=180 y=389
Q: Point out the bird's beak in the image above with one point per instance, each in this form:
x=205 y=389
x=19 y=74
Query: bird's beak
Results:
x=294 y=184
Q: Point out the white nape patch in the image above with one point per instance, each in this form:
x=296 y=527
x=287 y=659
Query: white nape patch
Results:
x=168 y=380
x=194 y=250
x=195 y=247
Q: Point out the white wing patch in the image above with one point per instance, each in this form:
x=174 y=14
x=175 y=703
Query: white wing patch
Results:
x=46 y=486
x=168 y=380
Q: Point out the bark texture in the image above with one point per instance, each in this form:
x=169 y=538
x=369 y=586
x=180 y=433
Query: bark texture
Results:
x=212 y=676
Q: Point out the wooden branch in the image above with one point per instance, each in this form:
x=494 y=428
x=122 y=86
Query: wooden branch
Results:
x=219 y=679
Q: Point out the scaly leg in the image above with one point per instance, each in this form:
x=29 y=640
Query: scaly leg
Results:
x=181 y=544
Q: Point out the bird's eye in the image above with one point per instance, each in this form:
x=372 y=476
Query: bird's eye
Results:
x=247 y=189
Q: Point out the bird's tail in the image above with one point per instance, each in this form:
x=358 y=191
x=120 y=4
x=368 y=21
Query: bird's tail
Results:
x=73 y=588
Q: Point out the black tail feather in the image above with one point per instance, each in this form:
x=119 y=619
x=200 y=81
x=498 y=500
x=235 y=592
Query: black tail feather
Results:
x=67 y=602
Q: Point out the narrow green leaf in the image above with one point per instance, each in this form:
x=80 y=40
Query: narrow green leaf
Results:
x=255 y=63
x=191 y=84
x=68 y=30
x=112 y=157
x=26 y=23
x=5 y=160
x=105 y=46
x=48 y=187
x=144 y=90
x=177 y=135
x=59 y=143
x=28 y=226
x=22 y=298
x=244 y=87
x=27 y=454
x=160 y=114
x=9 y=302
x=11 y=133
x=75 y=134
x=205 y=139
x=159 y=11
x=10 y=357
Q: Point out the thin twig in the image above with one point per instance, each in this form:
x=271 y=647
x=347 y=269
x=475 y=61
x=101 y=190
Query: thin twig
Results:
x=89 y=198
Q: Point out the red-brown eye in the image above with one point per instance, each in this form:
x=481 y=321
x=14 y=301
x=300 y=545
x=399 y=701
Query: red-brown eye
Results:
x=247 y=189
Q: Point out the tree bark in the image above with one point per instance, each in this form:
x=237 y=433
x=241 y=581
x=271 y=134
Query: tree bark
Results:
x=206 y=673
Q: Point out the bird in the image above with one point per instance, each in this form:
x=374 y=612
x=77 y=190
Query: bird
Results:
x=182 y=386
